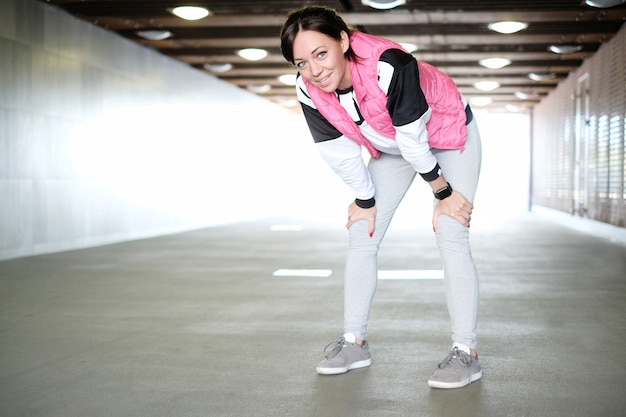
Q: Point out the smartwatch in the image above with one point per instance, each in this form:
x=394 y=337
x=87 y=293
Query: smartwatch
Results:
x=443 y=192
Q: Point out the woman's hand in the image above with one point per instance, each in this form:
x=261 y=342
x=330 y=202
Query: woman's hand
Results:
x=356 y=213
x=455 y=206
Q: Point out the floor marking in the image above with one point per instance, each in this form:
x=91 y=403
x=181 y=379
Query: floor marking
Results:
x=410 y=274
x=317 y=273
x=286 y=228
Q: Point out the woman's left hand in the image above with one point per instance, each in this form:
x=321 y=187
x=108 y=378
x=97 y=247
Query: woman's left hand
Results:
x=455 y=206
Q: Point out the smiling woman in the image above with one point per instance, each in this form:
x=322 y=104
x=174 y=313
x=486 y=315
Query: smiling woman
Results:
x=361 y=91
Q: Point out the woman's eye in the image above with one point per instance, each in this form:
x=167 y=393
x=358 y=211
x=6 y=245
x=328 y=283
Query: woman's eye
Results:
x=301 y=64
x=321 y=55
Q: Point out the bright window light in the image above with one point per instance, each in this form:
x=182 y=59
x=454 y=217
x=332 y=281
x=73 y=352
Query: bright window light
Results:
x=494 y=63
x=507 y=27
x=190 y=12
x=252 y=54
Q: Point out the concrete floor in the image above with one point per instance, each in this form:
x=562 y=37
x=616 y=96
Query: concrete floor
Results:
x=195 y=324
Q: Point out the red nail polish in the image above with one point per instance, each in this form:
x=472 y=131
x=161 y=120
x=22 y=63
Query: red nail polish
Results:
x=371 y=234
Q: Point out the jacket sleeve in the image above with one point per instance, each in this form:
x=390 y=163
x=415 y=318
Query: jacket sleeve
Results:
x=342 y=154
x=409 y=111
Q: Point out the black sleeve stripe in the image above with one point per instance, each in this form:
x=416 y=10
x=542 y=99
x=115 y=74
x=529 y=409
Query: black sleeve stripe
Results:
x=405 y=99
x=320 y=128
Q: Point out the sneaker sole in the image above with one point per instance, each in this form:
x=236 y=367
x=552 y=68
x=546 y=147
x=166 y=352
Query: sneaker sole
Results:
x=336 y=371
x=461 y=384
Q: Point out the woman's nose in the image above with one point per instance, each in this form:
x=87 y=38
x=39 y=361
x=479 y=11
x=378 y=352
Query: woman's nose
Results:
x=316 y=69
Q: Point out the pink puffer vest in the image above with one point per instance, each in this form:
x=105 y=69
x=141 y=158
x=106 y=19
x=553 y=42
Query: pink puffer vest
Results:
x=446 y=127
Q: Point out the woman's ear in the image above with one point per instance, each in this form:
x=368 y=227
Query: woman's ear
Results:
x=345 y=42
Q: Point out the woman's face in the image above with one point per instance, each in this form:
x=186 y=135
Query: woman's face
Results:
x=320 y=60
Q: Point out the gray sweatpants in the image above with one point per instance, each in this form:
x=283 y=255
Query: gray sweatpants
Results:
x=392 y=177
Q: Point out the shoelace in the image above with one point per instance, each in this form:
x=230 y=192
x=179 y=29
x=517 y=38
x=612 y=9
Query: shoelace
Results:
x=338 y=345
x=455 y=354
x=463 y=357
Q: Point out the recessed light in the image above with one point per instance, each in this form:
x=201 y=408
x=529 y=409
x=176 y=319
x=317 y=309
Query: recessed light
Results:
x=507 y=27
x=494 y=63
x=487 y=85
x=154 y=35
x=288 y=79
x=190 y=12
x=512 y=108
x=252 y=54
x=565 y=49
x=604 y=3
x=259 y=88
x=218 y=67
x=409 y=47
x=541 y=76
x=526 y=95
x=383 y=4
x=480 y=101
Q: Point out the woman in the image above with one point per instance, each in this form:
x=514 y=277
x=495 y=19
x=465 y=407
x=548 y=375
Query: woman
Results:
x=358 y=90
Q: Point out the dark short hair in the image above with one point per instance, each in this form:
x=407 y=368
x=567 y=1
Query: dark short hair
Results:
x=318 y=18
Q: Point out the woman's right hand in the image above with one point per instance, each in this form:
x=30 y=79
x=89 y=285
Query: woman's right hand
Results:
x=356 y=213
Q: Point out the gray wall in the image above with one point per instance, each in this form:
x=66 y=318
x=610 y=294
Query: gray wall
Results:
x=102 y=140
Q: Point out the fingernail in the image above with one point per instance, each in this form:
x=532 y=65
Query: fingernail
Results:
x=371 y=234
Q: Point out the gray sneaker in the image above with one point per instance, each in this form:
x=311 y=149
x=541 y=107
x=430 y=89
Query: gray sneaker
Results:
x=457 y=370
x=343 y=357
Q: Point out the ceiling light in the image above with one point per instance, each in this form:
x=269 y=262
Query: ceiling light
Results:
x=259 y=88
x=409 y=47
x=487 y=85
x=288 y=79
x=383 y=4
x=526 y=95
x=154 y=35
x=507 y=27
x=190 y=12
x=565 y=49
x=541 y=76
x=218 y=67
x=480 y=101
x=512 y=108
x=252 y=54
x=604 y=3
x=494 y=63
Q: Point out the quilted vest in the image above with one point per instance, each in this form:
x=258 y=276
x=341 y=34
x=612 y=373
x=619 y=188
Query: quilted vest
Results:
x=446 y=127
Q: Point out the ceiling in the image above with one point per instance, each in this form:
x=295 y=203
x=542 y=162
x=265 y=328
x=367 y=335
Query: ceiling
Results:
x=450 y=34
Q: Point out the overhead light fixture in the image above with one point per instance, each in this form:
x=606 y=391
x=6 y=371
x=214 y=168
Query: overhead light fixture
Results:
x=190 y=12
x=288 y=79
x=383 y=4
x=541 y=76
x=507 y=27
x=259 y=88
x=512 y=108
x=252 y=54
x=409 y=47
x=494 y=63
x=487 y=85
x=565 y=49
x=480 y=101
x=218 y=67
x=603 y=4
x=154 y=35
x=526 y=95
